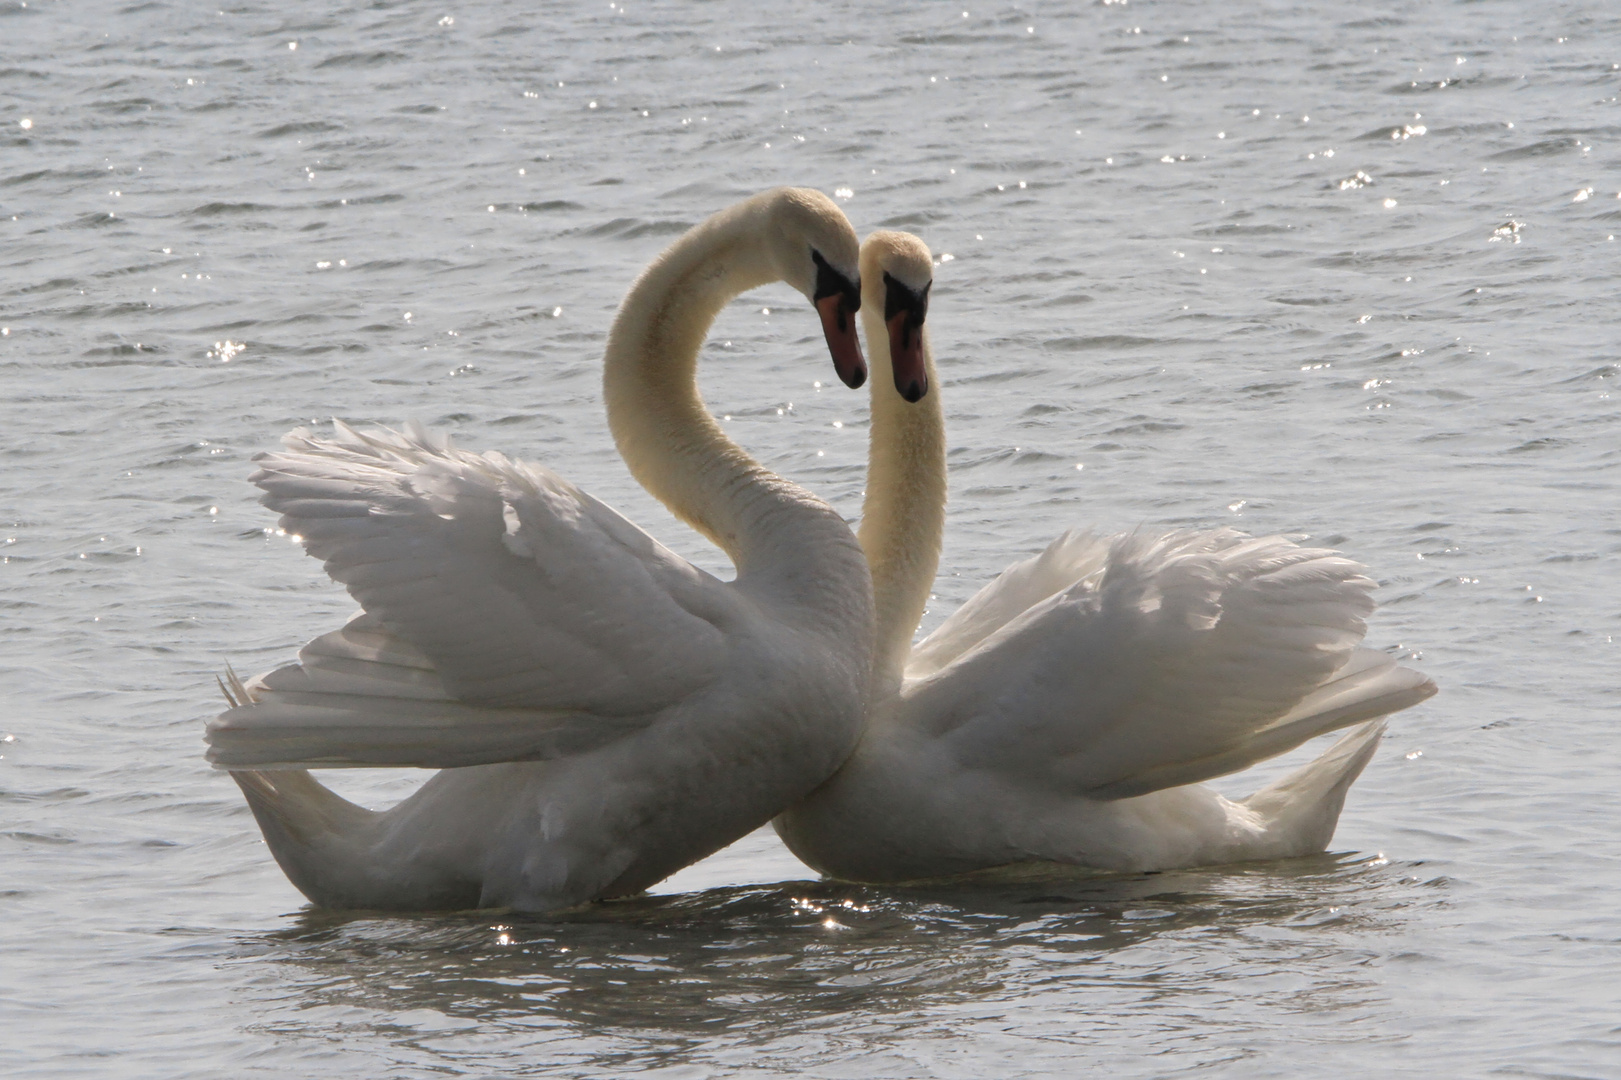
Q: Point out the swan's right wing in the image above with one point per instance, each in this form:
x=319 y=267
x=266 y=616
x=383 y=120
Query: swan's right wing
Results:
x=523 y=602
x=1185 y=657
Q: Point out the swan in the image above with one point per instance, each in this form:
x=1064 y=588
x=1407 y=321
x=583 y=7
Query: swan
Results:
x=604 y=712
x=1067 y=712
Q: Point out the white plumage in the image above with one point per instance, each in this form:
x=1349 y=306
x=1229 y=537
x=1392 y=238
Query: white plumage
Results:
x=514 y=612
x=1068 y=711
x=1168 y=660
x=614 y=712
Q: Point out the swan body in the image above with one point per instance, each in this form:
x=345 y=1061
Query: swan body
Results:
x=603 y=711
x=1069 y=710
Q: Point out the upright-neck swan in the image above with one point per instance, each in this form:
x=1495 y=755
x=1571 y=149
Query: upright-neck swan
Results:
x=1067 y=712
x=621 y=712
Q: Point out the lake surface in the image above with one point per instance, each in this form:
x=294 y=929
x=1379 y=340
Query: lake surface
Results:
x=1342 y=270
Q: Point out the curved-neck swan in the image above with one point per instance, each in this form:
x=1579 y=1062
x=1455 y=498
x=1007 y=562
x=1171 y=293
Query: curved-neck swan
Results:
x=1067 y=712
x=617 y=712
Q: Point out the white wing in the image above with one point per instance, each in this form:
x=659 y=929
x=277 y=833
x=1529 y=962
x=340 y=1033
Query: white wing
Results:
x=508 y=612
x=1170 y=660
x=360 y=696
x=1071 y=558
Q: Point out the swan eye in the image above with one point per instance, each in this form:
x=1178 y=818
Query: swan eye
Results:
x=829 y=282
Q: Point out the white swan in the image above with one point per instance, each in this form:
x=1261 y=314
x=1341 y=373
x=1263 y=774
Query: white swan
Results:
x=1067 y=711
x=642 y=713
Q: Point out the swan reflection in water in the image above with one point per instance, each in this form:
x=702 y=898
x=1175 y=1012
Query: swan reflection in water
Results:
x=814 y=968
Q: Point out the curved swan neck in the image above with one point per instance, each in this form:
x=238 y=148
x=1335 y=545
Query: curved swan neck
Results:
x=668 y=438
x=903 y=516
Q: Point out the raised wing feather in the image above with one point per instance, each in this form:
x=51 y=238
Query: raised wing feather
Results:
x=360 y=696
x=1074 y=556
x=519 y=589
x=1177 y=658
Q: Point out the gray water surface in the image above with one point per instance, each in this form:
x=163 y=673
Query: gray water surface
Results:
x=1341 y=270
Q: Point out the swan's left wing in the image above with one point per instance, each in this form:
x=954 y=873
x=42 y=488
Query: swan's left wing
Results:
x=501 y=600
x=1074 y=557
x=361 y=696
x=1184 y=657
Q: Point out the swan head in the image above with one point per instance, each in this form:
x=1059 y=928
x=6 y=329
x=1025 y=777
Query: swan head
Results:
x=899 y=272
x=817 y=252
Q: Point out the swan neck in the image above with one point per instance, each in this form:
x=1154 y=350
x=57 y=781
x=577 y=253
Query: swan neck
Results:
x=903 y=516
x=664 y=431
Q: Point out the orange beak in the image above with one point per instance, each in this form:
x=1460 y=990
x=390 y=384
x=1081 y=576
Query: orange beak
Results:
x=839 y=327
x=906 y=357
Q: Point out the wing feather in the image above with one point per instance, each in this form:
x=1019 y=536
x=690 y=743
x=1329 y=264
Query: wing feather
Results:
x=509 y=615
x=1168 y=660
x=1072 y=557
x=359 y=696
x=519 y=588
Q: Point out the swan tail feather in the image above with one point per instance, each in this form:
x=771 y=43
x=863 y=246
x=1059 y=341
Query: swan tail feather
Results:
x=1300 y=811
x=294 y=805
x=332 y=850
x=318 y=838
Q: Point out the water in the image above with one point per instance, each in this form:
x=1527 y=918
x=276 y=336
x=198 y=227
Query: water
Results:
x=1166 y=267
